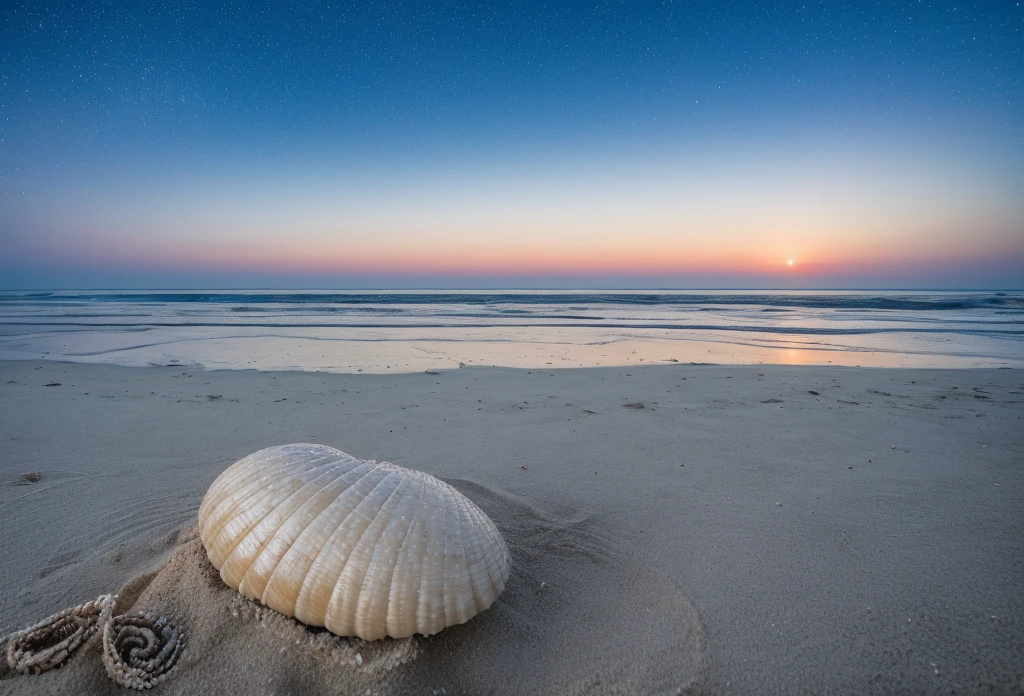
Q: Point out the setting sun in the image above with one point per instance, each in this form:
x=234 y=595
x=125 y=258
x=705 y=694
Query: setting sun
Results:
x=789 y=262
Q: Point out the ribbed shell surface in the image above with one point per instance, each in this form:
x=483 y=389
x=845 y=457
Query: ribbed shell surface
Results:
x=363 y=548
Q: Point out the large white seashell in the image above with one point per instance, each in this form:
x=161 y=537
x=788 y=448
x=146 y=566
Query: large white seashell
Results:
x=364 y=548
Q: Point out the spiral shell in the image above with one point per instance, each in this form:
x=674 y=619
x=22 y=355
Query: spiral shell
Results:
x=140 y=649
x=364 y=548
x=50 y=643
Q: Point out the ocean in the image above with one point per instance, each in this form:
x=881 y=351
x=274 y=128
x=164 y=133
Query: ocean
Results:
x=404 y=331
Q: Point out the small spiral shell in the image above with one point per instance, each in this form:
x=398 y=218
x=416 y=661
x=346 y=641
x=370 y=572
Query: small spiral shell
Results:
x=53 y=640
x=141 y=649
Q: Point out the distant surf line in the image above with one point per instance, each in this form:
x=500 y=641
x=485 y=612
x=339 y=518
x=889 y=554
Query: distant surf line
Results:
x=938 y=301
x=811 y=331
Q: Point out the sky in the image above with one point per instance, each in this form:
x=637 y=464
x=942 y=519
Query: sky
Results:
x=744 y=144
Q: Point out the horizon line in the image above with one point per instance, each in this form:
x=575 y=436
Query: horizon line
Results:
x=514 y=289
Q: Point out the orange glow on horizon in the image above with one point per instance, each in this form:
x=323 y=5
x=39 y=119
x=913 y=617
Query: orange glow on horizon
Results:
x=785 y=251
x=514 y=259
x=526 y=259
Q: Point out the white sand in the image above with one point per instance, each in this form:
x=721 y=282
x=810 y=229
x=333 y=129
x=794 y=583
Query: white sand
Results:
x=867 y=539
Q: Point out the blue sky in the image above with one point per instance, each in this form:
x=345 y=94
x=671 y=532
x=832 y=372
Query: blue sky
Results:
x=218 y=144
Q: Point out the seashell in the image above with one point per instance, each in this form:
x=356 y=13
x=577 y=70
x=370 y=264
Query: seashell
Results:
x=364 y=548
x=53 y=640
x=140 y=649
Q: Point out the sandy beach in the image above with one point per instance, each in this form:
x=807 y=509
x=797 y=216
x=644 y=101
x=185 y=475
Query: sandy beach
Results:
x=674 y=529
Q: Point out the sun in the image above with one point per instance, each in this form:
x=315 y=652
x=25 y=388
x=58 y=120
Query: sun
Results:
x=789 y=262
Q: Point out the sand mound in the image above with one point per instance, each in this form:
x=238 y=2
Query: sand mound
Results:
x=574 y=619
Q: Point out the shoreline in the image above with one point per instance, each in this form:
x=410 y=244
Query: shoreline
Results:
x=390 y=332
x=817 y=527
x=378 y=354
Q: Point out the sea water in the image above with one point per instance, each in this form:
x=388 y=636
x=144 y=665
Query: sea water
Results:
x=402 y=331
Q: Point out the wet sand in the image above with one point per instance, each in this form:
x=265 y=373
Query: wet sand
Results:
x=674 y=529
